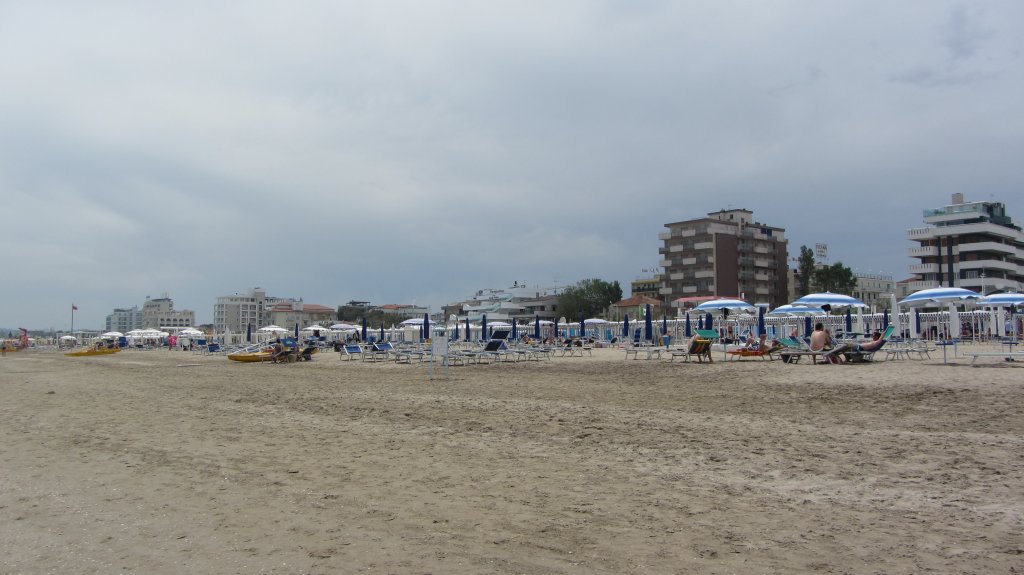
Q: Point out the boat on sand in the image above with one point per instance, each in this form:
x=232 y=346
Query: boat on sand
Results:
x=93 y=351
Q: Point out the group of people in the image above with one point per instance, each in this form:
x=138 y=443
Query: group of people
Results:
x=822 y=340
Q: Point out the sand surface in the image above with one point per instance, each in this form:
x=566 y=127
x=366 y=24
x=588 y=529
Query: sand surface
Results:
x=145 y=462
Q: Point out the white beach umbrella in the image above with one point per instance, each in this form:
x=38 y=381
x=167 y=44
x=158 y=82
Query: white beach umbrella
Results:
x=273 y=329
x=344 y=327
x=112 y=334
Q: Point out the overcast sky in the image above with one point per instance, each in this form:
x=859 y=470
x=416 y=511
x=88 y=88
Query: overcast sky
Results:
x=414 y=152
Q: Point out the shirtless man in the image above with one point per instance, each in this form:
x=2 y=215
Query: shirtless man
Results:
x=820 y=337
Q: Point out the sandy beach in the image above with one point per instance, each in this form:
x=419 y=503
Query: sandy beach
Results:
x=172 y=462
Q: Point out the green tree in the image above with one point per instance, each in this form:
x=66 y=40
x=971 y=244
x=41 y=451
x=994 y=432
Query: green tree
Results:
x=589 y=298
x=835 y=278
x=804 y=271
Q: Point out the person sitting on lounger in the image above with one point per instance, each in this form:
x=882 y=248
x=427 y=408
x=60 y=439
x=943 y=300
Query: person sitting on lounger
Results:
x=869 y=346
x=820 y=338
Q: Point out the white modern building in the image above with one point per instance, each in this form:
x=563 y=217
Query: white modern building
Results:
x=238 y=312
x=973 y=245
x=125 y=320
x=159 y=313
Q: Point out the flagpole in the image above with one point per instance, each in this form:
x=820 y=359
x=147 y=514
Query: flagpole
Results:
x=73 y=319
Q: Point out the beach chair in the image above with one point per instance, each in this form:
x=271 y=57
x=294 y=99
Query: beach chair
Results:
x=763 y=351
x=699 y=349
x=351 y=351
x=852 y=355
x=379 y=351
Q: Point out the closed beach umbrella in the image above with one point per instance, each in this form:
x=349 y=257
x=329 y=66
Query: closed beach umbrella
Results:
x=426 y=325
x=536 y=326
x=583 y=325
x=885 y=318
x=709 y=322
x=515 y=329
x=648 y=328
x=456 y=336
x=381 y=338
x=700 y=321
x=849 y=320
x=483 y=327
x=689 y=329
x=467 y=328
x=917 y=320
x=760 y=322
x=625 y=326
x=556 y=328
x=248 y=333
x=807 y=325
x=363 y=334
x=296 y=331
x=664 y=325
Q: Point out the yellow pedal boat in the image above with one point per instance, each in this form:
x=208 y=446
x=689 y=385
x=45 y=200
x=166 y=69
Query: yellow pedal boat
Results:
x=93 y=351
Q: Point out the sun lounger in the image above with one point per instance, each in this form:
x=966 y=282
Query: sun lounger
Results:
x=699 y=349
x=351 y=351
x=1006 y=355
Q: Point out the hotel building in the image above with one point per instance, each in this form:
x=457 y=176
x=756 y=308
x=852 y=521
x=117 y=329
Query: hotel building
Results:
x=973 y=245
x=726 y=254
x=160 y=314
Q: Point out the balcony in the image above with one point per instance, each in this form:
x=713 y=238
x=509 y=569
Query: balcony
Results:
x=922 y=251
x=988 y=264
x=923 y=268
x=988 y=247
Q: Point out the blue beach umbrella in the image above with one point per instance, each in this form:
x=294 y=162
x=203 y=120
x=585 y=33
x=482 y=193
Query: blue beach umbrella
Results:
x=426 y=325
x=648 y=327
x=917 y=321
x=689 y=329
x=625 y=326
x=760 y=322
x=536 y=326
x=935 y=296
x=455 y=337
x=1007 y=299
x=807 y=325
x=515 y=329
x=483 y=327
x=849 y=320
x=829 y=299
x=467 y=328
x=709 y=322
x=363 y=334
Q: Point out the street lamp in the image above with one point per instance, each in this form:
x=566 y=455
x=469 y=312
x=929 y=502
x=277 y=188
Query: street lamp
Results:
x=983 y=284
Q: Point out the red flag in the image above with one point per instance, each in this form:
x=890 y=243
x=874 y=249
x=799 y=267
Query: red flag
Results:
x=74 y=307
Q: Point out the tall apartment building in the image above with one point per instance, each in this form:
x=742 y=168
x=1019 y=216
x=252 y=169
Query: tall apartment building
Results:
x=235 y=313
x=726 y=254
x=159 y=313
x=972 y=245
x=125 y=320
